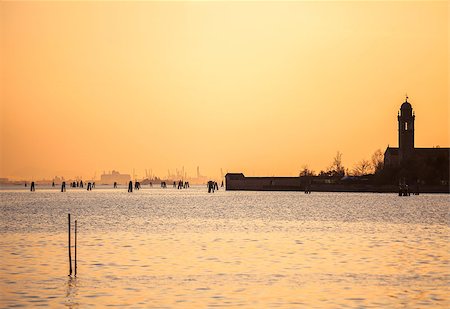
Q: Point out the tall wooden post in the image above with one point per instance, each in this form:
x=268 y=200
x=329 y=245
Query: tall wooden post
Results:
x=75 y=248
x=70 y=256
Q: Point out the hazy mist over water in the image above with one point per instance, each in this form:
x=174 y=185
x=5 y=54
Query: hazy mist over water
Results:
x=187 y=248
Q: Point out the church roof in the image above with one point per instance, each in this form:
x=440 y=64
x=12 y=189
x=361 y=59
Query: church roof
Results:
x=437 y=151
x=392 y=151
x=406 y=104
x=429 y=151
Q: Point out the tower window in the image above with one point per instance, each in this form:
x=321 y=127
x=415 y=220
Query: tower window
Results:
x=406 y=126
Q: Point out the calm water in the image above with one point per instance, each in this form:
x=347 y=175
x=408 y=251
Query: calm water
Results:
x=186 y=248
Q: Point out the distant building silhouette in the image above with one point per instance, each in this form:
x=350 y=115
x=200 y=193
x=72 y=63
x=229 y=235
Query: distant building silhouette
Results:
x=114 y=176
x=414 y=162
x=406 y=170
x=406 y=119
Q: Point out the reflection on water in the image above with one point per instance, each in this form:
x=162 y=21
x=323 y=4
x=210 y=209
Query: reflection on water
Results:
x=72 y=292
x=185 y=248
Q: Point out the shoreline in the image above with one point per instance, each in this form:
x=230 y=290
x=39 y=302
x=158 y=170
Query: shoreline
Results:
x=338 y=188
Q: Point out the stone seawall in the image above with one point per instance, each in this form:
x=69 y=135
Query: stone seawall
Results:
x=240 y=182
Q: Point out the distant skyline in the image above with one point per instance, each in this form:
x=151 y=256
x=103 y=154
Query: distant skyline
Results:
x=262 y=88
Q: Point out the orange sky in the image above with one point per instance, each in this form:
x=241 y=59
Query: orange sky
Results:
x=257 y=87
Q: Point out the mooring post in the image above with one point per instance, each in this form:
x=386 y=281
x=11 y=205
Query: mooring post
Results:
x=70 y=256
x=75 y=248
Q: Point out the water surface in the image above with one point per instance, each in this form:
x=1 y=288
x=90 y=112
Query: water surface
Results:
x=168 y=248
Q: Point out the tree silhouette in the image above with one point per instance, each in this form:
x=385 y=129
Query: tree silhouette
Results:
x=377 y=161
x=362 y=168
x=336 y=168
x=306 y=171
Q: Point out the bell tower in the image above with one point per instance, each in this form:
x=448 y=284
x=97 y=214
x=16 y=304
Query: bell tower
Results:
x=406 y=131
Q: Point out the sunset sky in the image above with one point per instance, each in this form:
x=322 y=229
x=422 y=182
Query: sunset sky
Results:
x=256 y=87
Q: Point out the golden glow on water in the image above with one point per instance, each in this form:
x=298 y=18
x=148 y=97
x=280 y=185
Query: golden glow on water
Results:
x=188 y=248
x=345 y=264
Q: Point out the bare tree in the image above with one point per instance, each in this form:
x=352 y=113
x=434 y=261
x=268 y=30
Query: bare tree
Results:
x=377 y=161
x=336 y=168
x=306 y=171
x=362 y=168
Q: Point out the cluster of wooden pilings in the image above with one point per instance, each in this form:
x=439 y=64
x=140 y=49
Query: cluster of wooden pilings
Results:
x=405 y=190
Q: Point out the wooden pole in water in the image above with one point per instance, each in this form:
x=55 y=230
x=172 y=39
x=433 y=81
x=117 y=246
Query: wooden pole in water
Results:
x=75 y=248
x=70 y=256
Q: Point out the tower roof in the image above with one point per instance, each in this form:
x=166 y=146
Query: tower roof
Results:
x=406 y=104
